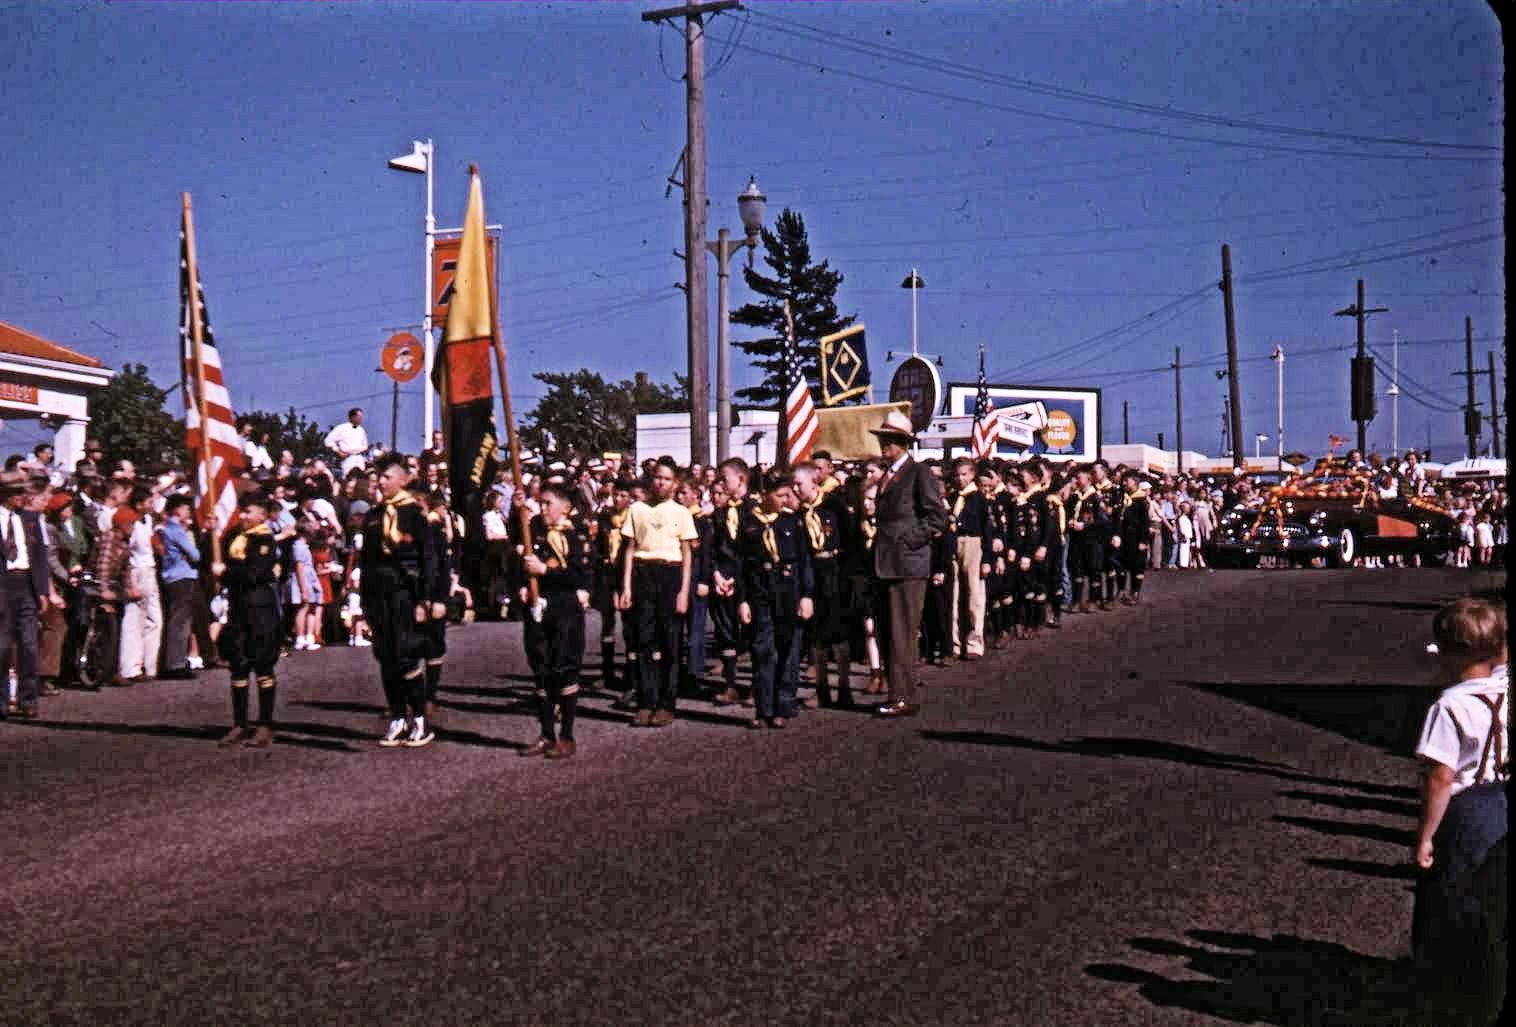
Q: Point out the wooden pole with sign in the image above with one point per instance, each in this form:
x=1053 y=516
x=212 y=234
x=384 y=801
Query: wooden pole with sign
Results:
x=197 y=339
x=513 y=443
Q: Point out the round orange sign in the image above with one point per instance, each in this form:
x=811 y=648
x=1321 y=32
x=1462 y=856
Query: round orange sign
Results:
x=402 y=357
x=1059 y=432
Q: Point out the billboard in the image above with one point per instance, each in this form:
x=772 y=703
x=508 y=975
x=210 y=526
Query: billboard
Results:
x=1060 y=424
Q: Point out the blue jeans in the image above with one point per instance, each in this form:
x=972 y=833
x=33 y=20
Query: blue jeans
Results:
x=696 y=641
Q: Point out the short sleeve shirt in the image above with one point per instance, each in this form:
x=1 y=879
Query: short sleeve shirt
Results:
x=657 y=531
x=1461 y=732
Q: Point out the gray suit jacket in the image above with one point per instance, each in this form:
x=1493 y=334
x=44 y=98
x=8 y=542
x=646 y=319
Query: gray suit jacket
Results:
x=910 y=513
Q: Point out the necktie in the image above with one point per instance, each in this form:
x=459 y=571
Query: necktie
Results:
x=9 y=531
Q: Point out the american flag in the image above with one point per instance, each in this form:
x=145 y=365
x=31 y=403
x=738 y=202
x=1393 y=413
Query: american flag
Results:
x=986 y=426
x=801 y=424
x=225 y=459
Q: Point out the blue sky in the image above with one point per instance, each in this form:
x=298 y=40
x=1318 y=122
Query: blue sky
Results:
x=997 y=148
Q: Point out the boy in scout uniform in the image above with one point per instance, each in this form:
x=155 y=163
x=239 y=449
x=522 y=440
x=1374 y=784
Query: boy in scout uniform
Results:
x=398 y=581
x=726 y=567
x=609 y=554
x=1036 y=531
x=1131 y=541
x=560 y=558
x=825 y=516
x=775 y=596
x=1088 y=528
x=250 y=641
x=434 y=631
x=655 y=585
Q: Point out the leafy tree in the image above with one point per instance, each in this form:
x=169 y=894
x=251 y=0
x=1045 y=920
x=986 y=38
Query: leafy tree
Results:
x=586 y=414
x=812 y=292
x=290 y=430
x=129 y=418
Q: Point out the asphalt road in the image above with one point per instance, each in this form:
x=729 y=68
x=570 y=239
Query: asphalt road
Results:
x=1190 y=812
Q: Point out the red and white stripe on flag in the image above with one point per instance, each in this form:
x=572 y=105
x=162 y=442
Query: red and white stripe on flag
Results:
x=225 y=456
x=802 y=424
x=986 y=434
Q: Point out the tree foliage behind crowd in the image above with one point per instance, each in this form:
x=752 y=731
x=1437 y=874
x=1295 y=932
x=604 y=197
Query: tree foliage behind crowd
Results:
x=812 y=291
x=130 y=418
x=585 y=414
x=290 y=430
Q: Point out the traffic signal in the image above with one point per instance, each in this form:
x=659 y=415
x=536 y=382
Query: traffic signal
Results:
x=1473 y=424
x=1363 y=388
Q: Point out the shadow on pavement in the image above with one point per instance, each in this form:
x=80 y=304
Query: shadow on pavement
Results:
x=1342 y=828
x=1364 y=868
x=1388 y=717
x=1282 y=980
x=207 y=733
x=1420 y=606
x=1145 y=748
x=1394 y=807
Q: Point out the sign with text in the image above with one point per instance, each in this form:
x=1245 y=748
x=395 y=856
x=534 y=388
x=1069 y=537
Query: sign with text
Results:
x=1061 y=424
x=444 y=264
x=15 y=392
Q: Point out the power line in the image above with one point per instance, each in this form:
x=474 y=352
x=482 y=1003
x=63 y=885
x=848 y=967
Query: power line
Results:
x=852 y=43
x=1154 y=133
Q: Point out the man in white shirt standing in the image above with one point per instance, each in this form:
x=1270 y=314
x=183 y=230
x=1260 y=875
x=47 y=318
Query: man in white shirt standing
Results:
x=24 y=591
x=142 y=619
x=349 y=441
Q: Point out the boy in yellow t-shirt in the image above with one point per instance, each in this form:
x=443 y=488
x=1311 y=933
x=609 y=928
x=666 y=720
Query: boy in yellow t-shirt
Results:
x=655 y=586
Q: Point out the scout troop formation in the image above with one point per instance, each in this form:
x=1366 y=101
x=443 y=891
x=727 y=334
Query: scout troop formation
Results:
x=779 y=567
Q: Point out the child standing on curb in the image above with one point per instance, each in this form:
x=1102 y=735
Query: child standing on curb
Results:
x=1458 y=933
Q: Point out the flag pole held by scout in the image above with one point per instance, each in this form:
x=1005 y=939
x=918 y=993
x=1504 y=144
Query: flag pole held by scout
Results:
x=782 y=443
x=205 y=479
x=464 y=307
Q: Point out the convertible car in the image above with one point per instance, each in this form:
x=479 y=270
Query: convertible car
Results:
x=1334 y=513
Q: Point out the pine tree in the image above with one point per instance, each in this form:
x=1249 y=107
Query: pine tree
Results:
x=812 y=292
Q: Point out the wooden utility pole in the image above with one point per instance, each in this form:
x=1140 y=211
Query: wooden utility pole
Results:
x=1233 y=389
x=1363 y=369
x=1178 y=418
x=1471 y=418
x=1494 y=409
x=1126 y=423
x=697 y=303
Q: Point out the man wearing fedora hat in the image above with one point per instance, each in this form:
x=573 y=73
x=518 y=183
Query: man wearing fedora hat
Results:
x=910 y=513
x=23 y=589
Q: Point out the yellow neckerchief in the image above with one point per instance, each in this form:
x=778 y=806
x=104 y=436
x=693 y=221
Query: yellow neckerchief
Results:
x=827 y=484
x=392 y=536
x=238 y=548
x=613 y=544
x=557 y=539
x=963 y=497
x=813 y=526
x=1081 y=497
x=1026 y=496
x=769 y=541
x=733 y=517
x=869 y=529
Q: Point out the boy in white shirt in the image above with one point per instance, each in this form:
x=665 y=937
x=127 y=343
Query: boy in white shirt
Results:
x=1458 y=929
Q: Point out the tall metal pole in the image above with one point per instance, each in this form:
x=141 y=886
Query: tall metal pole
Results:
x=1395 y=393
x=723 y=350
x=1279 y=399
x=395 y=417
x=913 y=311
x=1494 y=409
x=429 y=344
x=1178 y=417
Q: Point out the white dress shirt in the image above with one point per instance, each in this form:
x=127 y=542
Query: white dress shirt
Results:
x=10 y=523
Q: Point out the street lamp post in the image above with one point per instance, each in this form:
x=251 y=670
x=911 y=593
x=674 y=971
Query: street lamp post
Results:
x=420 y=161
x=750 y=207
x=914 y=283
x=1278 y=357
x=1258 y=441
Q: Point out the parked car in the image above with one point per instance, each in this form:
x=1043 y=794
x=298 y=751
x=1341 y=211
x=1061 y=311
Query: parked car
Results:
x=1336 y=514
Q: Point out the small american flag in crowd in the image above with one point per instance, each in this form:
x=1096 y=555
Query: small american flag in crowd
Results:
x=220 y=466
x=986 y=426
x=801 y=422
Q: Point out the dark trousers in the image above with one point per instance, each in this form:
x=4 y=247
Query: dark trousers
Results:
x=903 y=599
x=655 y=588
x=776 y=655
x=937 y=619
x=18 y=627
x=179 y=599
x=390 y=610
x=250 y=640
x=695 y=636
x=555 y=651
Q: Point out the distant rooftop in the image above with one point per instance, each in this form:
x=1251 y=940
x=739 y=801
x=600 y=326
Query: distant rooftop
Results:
x=21 y=343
